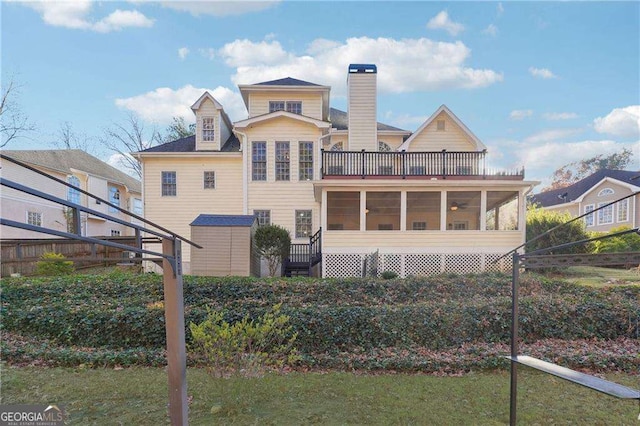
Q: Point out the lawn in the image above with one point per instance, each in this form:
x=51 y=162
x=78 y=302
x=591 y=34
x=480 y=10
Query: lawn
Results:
x=138 y=396
x=601 y=277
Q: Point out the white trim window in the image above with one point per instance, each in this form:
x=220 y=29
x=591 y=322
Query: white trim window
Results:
x=303 y=223
x=209 y=179
x=294 y=107
x=283 y=166
x=623 y=210
x=605 y=215
x=258 y=161
x=383 y=147
x=137 y=206
x=114 y=198
x=263 y=216
x=606 y=191
x=34 y=218
x=208 y=129
x=169 y=184
x=589 y=219
x=73 y=195
x=305 y=161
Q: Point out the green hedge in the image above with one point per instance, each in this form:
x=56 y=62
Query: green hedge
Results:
x=125 y=311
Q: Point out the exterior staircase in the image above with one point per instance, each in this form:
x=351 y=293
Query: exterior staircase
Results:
x=303 y=257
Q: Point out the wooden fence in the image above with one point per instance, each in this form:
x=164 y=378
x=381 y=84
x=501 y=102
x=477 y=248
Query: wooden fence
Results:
x=21 y=256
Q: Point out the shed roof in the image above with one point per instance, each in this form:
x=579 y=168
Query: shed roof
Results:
x=223 y=220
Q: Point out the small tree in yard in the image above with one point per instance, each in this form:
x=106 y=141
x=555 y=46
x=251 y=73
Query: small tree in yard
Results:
x=273 y=243
x=539 y=221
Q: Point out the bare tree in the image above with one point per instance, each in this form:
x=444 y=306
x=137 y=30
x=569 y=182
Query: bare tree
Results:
x=13 y=123
x=125 y=138
x=68 y=138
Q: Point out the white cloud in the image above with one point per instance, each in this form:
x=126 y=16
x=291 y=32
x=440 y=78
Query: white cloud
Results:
x=552 y=135
x=74 y=15
x=520 y=114
x=404 y=121
x=208 y=53
x=162 y=104
x=556 y=116
x=242 y=53
x=442 y=22
x=183 y=52
x=120 y=19
x=491 y=30
x=542 y=73
x=552 y=155
x=622 y=122
x=500 y=9
x=406 y=65
x=220 y=8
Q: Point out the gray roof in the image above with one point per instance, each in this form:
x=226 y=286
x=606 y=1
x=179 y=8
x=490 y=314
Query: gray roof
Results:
x=64 y=160
x=288 y=81
x=188 y=144
x=340 y=120
x=223 y=220
x=575 y=191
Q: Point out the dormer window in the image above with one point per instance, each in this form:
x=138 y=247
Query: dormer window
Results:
x=208 y=132
x=294 y=107
x=440 y=125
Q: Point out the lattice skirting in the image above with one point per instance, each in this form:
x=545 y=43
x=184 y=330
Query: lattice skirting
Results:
x=345 y=265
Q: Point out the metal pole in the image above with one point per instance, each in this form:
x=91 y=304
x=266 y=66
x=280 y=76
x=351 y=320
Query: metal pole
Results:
x=174 y=323
x=514 y=339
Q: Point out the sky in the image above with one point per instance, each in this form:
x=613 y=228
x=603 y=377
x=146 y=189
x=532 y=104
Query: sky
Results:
x=541 y=84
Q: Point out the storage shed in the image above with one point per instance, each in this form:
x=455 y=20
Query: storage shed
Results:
x=227 y=245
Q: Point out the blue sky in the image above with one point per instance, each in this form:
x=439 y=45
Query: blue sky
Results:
x=540 y=83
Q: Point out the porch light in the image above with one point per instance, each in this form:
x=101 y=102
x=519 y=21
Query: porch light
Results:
x=454 y=206
x=366 y=211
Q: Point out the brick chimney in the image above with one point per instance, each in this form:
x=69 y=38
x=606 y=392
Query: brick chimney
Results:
x=362 y=107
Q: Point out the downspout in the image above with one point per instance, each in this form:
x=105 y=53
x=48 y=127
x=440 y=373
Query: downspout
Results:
x=245 y=171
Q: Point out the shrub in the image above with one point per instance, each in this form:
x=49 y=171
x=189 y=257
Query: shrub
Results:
x=623 y=243
x=273 y=243
x=54 y=264
x=389 y=275
x=246 y=347
x=540 y=221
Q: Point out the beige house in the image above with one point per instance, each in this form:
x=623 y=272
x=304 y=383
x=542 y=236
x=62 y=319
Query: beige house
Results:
x=77 y=168
x=344 y=185
x=594 y=191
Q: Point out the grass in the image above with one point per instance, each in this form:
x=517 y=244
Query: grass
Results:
x=601 y=277
x=139 y=396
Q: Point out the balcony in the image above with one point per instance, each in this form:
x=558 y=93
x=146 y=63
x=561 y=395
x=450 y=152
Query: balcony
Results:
x=412 y=165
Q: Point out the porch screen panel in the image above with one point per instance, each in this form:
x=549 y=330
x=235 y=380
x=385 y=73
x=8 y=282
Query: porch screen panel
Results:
x=463 y=210
x=423 y=211
x=502 y=211
x=383 y=211
x=343 y=211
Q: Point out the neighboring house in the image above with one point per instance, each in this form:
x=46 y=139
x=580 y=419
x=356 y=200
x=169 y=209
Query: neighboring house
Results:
x=422 y=201
x=79 y=169
x=598 y=189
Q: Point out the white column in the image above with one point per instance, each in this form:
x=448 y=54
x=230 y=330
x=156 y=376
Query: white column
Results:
x=363 y=208
x=483 y=210
x=443 y=210
x=403 y=210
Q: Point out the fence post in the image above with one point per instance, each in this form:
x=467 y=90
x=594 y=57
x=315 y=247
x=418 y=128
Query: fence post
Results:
x=514 y=339
x=362 y=164
x=174 y=323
